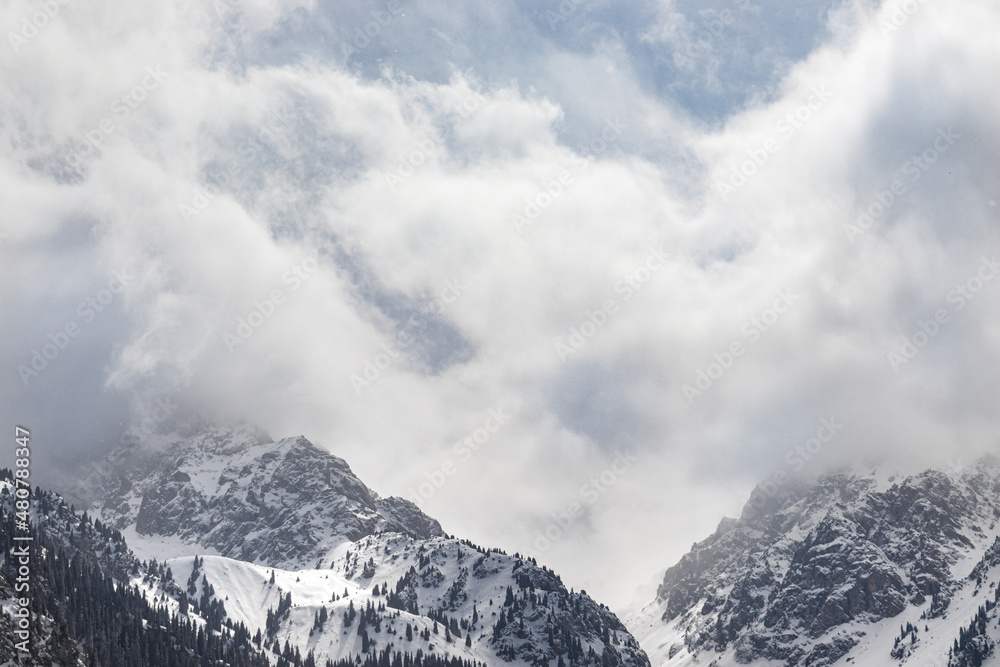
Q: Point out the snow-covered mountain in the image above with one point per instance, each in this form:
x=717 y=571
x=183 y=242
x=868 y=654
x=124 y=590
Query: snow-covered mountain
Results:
x=235 y=492
x=296 y=547
x=73 y=594
x=855 y=569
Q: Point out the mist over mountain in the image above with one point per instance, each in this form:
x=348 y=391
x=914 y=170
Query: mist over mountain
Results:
x=670 y=242
x=294 y=549
x=859 y=567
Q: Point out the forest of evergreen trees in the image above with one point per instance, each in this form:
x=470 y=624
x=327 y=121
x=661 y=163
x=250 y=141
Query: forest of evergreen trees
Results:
x=397 y=659
x=83 y=608
x=973 y=646
x=80 y=611
x=115 y=624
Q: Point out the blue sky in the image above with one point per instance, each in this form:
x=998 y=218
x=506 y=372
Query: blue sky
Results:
x=636 y=227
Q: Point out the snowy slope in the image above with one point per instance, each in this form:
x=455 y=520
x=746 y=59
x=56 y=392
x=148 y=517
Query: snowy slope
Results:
x=84 y=610
x=248 y=594
x=450 y=580
x=827 y=573
x=238 y=508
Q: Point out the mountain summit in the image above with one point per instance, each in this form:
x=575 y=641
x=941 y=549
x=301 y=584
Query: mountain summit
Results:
x=868 y=568
x=236 y=492
x=297 y=549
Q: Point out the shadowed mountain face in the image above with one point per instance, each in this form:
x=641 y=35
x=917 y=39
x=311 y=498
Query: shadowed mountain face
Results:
x=284 y=503
x=89 y=600
x=806 y=575
x=301 y=512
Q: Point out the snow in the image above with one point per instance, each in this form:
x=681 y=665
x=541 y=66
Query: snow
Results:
x=247 y=594
x=642 y=595
x=875 y=640
x=161 y=547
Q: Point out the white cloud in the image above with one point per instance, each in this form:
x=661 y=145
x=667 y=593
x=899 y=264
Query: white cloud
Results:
x=278 y=187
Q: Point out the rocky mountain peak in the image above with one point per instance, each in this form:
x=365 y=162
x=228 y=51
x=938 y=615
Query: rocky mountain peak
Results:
x=236 y=491
x=254 y=521
x=810 y=567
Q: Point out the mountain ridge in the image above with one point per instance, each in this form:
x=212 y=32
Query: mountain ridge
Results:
x=236 y=491
x=228 y=505
x=809 y=572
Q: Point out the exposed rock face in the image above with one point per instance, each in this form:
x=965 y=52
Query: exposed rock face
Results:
x=293 y=506
x=284 y=503
x=92 y=601
x=512 y=609
x=804 y=572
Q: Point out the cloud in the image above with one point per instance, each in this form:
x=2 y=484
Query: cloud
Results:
x=378 y=246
